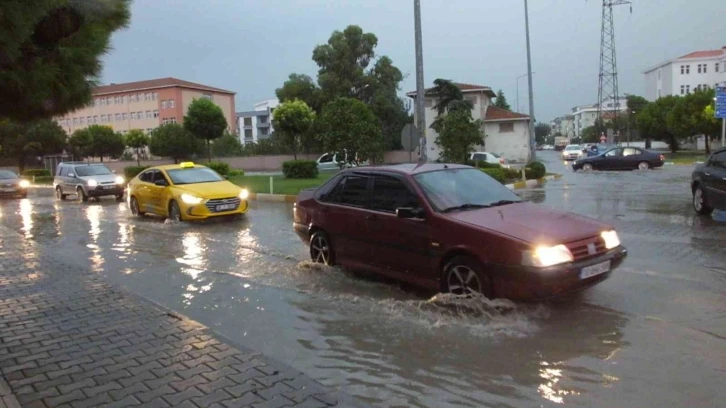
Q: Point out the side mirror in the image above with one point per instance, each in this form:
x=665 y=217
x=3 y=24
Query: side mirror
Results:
x=160 y=183
x=409 y=212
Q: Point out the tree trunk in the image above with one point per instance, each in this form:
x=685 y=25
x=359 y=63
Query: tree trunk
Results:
x=209 y=151
x=294 y=148
x=138 y=158
x=101 y=158
x=21 y=164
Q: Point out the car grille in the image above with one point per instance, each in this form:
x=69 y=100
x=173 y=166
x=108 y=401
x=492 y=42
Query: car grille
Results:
x=212 y=204
x=7 y=185
x=587 y=248
x=107 y=182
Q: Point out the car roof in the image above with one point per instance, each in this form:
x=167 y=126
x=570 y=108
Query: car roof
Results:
x=174 y=166
x=80 y=164
x=408 y=168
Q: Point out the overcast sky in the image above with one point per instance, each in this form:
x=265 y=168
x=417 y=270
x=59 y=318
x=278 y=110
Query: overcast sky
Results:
x=251 y=46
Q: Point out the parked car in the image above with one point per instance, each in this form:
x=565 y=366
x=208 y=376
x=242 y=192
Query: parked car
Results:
x=335 y=161
x=452 y=228
x=11 y=185
x=87 y=180
x=621 y=158
x=489 y=158
x=708 y=184
x=185 y=191
x=572 y=152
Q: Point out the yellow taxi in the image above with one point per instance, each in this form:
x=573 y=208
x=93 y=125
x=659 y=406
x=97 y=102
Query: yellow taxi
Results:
x=185 y=191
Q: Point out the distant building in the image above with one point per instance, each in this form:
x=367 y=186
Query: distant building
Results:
x=256 y=125
x=564 y=125
x=585 y=116
x=681 y=76
x=145 y=105
x=507 y=133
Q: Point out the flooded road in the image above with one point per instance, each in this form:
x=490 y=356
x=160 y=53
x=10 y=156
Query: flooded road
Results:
x=652 y=335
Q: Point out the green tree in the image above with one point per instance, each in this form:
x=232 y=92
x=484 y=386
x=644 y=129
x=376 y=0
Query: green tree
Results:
x=541 y=131
x=206 y=121
x=51 y=51
x=105 y=142
x=349 y=127
x=590 y=135
x=32 y=139
x=501 y=101
x=79 y=144
x=173 y=140
x=652 y=121
x=636 y=104
x=686 y=118
x=227 y=145
x=137 y=140
x=293 y=119
x=458 y=135
x=343 y=61
x=302 y=87
x=449 y=97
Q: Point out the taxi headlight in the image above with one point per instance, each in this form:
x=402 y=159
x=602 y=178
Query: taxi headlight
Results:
x=611 y=239
x=190 y=199
x=244 y=194
x=544 y=256
x=92 y=183
x=119 y=180
x=24 y=184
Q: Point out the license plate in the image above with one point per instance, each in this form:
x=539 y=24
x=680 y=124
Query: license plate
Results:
x=7 y=190
x=594 y=270
x=226 y=207
x=108 y=187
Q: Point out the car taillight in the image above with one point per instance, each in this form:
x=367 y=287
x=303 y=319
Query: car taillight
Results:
x=662 y=158
x=501 y=161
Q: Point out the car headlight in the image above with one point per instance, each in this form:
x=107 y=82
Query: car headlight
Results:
x=611 y=239
x=244 y=194
x=92 y=183
x=190 y=199
x=119 y=180
x=24 y=184
x=544 y=256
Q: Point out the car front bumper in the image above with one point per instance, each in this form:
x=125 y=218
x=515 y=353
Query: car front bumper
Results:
x=201 y=212
x=13 y=191
x=532 y=283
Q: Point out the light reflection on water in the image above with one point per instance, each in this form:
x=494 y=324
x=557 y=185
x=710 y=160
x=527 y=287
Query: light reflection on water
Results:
x=94 y=214
x=193 y=254
x=26 y=213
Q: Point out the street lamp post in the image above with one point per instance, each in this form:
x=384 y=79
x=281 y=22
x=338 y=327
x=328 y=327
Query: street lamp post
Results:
x=531 y=92
x=518 y=78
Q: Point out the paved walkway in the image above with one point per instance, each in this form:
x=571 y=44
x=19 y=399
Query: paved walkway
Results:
x=68 y=339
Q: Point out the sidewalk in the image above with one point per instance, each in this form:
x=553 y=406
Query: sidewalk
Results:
x=68 y=339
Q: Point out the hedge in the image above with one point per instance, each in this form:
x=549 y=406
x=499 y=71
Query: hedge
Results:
x=485 y=165
x=220 y=167
x=236 y=172
x=502 y=174
x=132 y=171
x=300 y=169
x=43 y=179
x=36 y=173
x=535 y=170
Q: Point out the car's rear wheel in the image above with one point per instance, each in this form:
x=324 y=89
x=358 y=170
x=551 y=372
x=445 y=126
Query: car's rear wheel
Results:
x=59 y=194
x=321 y=251
x=175 y=212
x=464 y=276
x=587 y=167
x=134 y=207
x=644 y=165
x=699 y=202
x=82 y=197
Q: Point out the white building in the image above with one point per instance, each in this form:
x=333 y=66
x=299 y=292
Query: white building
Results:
x=681 y=76
x=564 y=125
x=507 y=133
x=256 y=125
x=585 y=116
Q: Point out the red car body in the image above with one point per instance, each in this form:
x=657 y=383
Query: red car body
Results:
x=417 y=250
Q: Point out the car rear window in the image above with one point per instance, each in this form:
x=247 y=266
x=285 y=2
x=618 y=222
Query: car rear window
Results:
x=351 y=190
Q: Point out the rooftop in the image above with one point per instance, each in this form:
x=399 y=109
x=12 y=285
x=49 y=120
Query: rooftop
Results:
x=494 y=113
x=705 y=54
x=154 y=84
x=409 y=168
x=464 y=88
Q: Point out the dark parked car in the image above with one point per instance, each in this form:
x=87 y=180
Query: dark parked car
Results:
x=11 y=185
x=621 y=158
x=709 y=184
x=453 y=228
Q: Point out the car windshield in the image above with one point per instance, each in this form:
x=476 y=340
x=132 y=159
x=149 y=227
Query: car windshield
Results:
x=193 y=175
x=84 y=171
x=572 y=147
x=461 y=189
x=7 y=174
x=496 y=155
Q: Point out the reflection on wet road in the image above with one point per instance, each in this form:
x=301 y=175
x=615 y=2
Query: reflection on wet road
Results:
x=653 y=335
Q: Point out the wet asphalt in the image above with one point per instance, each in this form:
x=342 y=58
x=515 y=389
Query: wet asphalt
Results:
x=652 y=335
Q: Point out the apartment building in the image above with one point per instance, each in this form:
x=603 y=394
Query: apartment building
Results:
x=145 y=105
x=585 y=116
x=686 y=74
x=256 y=125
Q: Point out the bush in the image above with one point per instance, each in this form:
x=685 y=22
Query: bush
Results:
x=497 y=174
x=43 y=179
x=300 y=169
x=484 y=165
x=220 y=167
x=36 y=172
x=132 y=171
x=535 y=170
x=236 y=172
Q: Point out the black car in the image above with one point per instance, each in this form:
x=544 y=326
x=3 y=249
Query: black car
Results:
x=621 y=158
x=11 y=185
x=708 y=184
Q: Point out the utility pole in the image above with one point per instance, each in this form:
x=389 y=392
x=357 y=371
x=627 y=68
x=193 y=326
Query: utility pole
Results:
x=420 y=91
x=532 y=150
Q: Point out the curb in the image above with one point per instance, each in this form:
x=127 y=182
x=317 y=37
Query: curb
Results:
x=279 y=198
x=519 y=185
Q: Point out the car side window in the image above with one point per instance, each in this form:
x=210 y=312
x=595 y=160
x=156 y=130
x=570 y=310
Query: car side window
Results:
x=629 y=151
x=719 y=160
x=390 y=193
x=63 y=171
x=158 y=175
x=328 y=158
x=146 y=176
x=352 y=190
x=480 y=157
x=614 y=153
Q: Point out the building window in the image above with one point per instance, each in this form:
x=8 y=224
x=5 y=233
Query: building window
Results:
x=699 y=68
x=688 y=69
x=683 y=69
x=147 y=96
x=171 y=103
x=103 y=118
x=248 y=121
x=119 y=100
x=95 y=119
x=156 y=113
x=133 y=115
x=207 y=96
x=688 y=89
x=506 y=127
x=683 y=89
x=429 y=103
x=262 y=119
x=149 y=115
x=124 y=116
x=716 y=67
x=154 y=96
x=149 y=130
x=118 y=117
x=75 y=121
x=248 y=133
x=265 y=131
x=164 y=104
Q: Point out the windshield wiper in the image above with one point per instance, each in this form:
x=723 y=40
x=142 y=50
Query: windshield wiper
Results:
x=503 y=202
x=465 y=207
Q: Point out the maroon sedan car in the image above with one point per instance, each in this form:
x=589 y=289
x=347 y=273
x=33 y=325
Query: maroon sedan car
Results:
x=455 y=229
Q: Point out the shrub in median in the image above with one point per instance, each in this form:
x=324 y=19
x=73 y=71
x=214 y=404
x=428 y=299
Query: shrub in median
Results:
x=236 y=172
x=30 y=173
x=497 y=174
x=132 y=171
x=486 y=165
x=43 y=179
x=535 y=170
x=220 y=167
x=300 y=169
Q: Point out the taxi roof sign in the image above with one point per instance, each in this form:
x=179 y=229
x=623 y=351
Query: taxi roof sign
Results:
x=186 y=165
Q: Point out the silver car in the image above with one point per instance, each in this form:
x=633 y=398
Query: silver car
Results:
x=11 y=185
x=87 y=180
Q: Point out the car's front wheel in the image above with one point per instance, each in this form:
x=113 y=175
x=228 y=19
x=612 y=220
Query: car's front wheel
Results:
x=174 y=211
x=59 y=193
x=699 y=202
x=587 y=167
x=321 y=251
x=464 y=276
x=134 y=207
